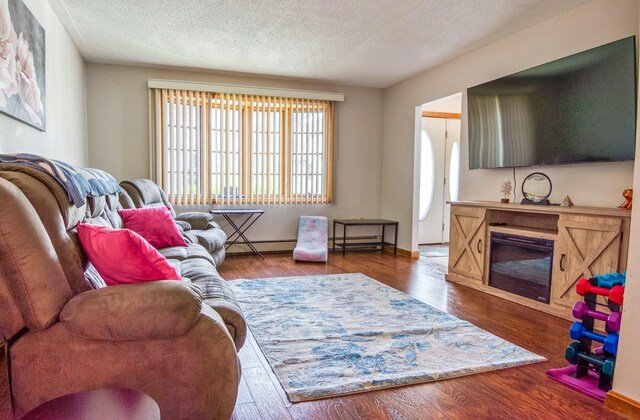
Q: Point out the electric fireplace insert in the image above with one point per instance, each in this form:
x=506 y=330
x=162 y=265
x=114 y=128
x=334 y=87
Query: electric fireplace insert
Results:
x=521 y=265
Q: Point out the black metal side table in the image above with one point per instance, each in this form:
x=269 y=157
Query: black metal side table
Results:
x=364 y=222
x=239 y=230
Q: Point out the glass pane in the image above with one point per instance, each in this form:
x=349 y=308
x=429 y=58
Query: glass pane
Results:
x=427 y=175
x=454 y=171
x=307 y=149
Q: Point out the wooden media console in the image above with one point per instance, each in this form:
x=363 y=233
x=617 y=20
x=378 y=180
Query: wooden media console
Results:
x=587 y=241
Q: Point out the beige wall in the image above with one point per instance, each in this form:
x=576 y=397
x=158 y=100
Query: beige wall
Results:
x=627 y=373
x=119 y=139
x=65 y=137
x=627 y=367
x=587 y=26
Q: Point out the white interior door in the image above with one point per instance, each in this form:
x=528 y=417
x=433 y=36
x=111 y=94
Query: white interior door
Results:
x=432 y=170
x=451 y=171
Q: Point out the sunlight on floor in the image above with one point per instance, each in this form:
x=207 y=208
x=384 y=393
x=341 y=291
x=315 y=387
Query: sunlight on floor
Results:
x=433 y=265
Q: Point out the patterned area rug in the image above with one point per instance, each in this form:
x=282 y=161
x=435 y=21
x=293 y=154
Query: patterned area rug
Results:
x=338 y=334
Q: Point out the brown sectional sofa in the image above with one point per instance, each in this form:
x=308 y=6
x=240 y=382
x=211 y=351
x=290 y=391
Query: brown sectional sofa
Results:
x=175 y=341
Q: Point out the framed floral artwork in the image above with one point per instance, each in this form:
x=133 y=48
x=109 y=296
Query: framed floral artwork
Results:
x=22 y=65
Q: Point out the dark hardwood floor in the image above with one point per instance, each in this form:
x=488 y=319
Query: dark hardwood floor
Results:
x=514 y=393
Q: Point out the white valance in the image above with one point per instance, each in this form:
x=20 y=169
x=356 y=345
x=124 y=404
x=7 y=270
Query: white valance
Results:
x=246 y=90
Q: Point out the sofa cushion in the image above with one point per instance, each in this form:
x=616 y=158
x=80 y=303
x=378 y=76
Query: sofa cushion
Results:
x=198 y=220
x=217 y=294
x=154 y=224
x=180 y=253
x=145 y=193
x=216 y=254
x=121 y=256
x=211 y=239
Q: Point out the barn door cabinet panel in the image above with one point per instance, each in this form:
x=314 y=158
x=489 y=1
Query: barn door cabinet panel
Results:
x=587 y=241
x=586 y=246
x=467 y=242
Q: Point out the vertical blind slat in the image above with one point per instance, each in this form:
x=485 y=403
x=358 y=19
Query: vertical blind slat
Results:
x=248 y=150
x=157 y=146
x=165 y=143
x=173 y=144
x=314 y=151
x=268 y=154
x=223 y=164
x=193 y=181
x=291 y=144
x=232 y=147
x=195 y=158
x=263 y=143
x=179 y=146
x=283 y=153
x=217 y=115
x=295 y=130
x=197 y=145
x=251 y=150
x=291 y=141
x=186 y=145
x=307 y=136
x=186 y=123
x=326 y=158
x=219 y=167
x=288 y=151
x=215 y=148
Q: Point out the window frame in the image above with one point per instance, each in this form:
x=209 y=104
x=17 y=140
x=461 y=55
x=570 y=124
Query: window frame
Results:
x=206 y=102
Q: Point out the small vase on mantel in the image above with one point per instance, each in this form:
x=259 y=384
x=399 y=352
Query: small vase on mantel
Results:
x=505 y=200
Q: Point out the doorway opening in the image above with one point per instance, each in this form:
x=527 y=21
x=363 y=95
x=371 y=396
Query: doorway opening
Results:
x=439 y=172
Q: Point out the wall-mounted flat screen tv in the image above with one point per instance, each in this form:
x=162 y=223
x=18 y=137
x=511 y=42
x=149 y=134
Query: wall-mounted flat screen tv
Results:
x=580 y=108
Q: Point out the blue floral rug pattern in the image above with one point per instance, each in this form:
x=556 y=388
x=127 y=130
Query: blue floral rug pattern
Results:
x=328 y=335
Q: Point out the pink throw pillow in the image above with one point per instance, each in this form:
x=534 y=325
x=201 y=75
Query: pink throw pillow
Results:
x=121 y=256
x=154 y=224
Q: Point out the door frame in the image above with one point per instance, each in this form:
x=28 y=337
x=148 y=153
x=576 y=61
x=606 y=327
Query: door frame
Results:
x=418 y=152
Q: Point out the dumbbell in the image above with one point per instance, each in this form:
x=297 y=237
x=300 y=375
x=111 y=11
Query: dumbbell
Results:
x=611 y=279
x=574 y=353
x=610 y=341
x=615 y=294
x=580 y=309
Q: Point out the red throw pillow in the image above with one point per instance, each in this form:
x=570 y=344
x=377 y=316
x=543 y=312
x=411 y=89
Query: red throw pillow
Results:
x=121 y=256
x=154 y=224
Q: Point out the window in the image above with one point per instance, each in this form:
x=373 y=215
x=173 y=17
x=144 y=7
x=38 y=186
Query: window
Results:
x=454 y=171
x=427 y=175
x=224 y=148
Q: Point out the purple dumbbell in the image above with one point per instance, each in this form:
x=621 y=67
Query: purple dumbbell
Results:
x=580 y=309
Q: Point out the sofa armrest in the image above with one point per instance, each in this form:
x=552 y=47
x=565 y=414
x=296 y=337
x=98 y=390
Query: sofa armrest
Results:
x=150 y=310
x=198 y=220
x=182 y=225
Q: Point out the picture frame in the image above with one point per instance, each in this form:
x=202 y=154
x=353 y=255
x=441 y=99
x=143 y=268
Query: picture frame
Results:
x=22 y=65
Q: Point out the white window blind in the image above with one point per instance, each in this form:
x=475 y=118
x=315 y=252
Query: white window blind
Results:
x=226 y=148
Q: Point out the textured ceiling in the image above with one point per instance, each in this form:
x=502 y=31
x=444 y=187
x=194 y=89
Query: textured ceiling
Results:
x=362 y=42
